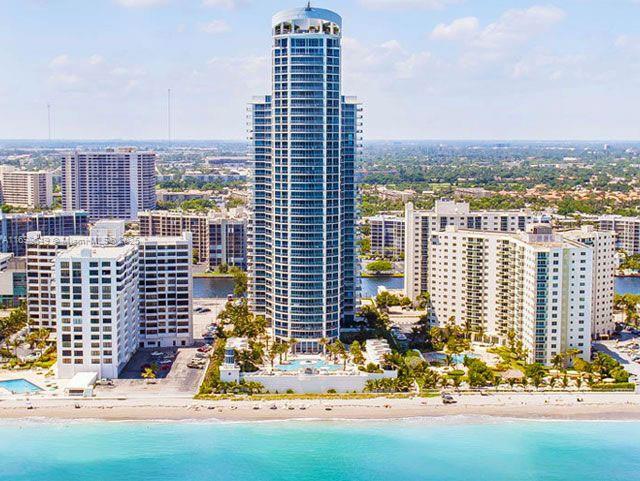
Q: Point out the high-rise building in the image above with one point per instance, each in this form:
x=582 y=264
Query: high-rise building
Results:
x=536 y=285
x=13 y=280
x=603 y=244
x=217 y=238
x=419 y=225
x=387 y=236
x=305 y=139
x=41 y=252
x=163 y=282
x=26 y=189
x=97 y=305
x=627 y=231
x=165 y=287
x=15 y=227
x=112 y=184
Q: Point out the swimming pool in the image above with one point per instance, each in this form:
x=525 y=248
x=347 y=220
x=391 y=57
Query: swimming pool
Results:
x=456 y=358
x=302 y=364
x=19 y=386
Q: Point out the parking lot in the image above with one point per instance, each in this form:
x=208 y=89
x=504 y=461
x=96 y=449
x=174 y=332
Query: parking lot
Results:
x=174 y=376
x=623 y=350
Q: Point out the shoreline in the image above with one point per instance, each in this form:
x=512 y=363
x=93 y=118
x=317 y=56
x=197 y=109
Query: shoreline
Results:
x=595 y=407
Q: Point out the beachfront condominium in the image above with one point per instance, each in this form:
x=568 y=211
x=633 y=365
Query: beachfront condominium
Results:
x=218 y=238
x=387 y=236
x=41 y=251
x=164 y=286
x=603 y=244
x=15 y=227
x=304 y=142
x=97 y=299
x=30 y=189
x=419 y=225
x=627 y=230
x=534 y=285
x=110 y=184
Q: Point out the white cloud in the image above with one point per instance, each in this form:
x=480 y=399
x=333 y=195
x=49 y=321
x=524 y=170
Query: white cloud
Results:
x=408 y=4
x=515 y=26
x=140 y=3
x=59 y=61
x=460 y=28
x=96 y=59
x=226 y=4
x=629 y=42
x=215 y=27
x=93 y=76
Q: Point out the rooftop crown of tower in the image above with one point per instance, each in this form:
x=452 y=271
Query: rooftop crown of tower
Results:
x=307 y=19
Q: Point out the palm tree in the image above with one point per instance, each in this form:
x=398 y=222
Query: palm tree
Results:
x=557 y=361
x=148 y=373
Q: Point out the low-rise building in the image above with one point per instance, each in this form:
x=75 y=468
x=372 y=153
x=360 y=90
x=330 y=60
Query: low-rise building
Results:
x=387 y=236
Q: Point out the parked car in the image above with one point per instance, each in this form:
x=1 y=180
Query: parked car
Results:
x=195 y=365
x=204 y=349
x=104 y=382
x=448 y=399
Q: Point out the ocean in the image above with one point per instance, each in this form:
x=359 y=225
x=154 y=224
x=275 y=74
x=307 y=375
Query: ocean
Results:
x=446 y=449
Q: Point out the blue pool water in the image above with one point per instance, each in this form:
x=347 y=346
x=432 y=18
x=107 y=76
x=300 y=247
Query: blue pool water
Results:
x=435 y=450
x=300 y=364
x=19 y=386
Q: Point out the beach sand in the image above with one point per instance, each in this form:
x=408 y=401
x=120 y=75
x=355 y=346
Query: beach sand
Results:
x=594 y=406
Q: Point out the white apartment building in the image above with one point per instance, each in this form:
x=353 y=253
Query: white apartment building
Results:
x=26 y=189
x=387 y=235
x=603 y=244
x=419 y=225
x=165 y=288
x=627 y=230
x=537 y=285
x=163 y=281
x=111 y=184
x=97 y=299
x=41 y=252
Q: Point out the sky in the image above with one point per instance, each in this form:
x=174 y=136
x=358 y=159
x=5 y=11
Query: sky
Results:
x=423 y=69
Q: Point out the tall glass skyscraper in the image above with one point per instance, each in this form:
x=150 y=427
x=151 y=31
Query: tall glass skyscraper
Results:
x=304 y=141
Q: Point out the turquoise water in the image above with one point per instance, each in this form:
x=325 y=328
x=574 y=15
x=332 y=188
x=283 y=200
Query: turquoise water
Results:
x=19 y=386
x=300 y=365
x=434 y=450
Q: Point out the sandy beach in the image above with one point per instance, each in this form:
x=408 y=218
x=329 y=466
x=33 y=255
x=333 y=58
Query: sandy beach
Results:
x=598 y=406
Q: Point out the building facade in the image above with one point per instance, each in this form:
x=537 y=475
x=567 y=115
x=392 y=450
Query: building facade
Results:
x=97 y=299
x=603 y=244
x=26 y=189
x=627 y=230
x=112 y=184
x=14 y=228
x=304 y=141
x=217 y=239
x=387 y=236
x=41 y=252
x=165 y=286
x=536 y=286
x=419 y=225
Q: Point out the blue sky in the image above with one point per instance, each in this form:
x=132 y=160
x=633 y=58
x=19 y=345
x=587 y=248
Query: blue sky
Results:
x=424 y=69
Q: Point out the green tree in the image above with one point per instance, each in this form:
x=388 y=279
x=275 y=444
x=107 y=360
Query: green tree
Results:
x=380 y=266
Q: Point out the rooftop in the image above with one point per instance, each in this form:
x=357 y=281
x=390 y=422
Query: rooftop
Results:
x=307 y=12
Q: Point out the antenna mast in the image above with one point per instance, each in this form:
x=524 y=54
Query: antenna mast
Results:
x=49 y=120
x=169 y=114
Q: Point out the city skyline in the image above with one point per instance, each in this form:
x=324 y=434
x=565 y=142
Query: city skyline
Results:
x=446 y=69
